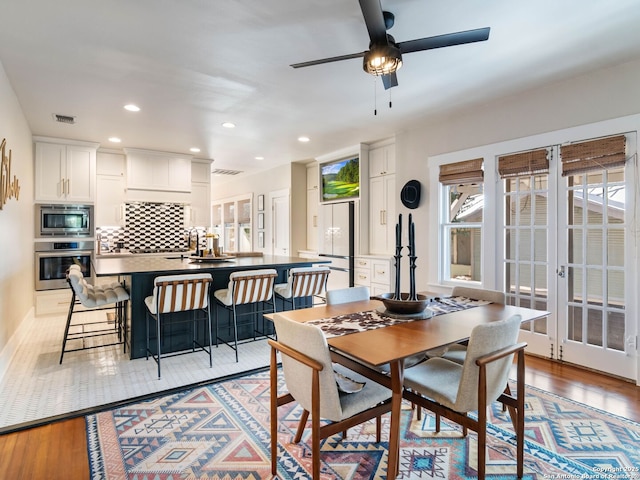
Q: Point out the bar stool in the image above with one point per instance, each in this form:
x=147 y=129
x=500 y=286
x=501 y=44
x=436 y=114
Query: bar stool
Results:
x=94 y=298
x=179 y=293
x=251 y=287
x=303 y=282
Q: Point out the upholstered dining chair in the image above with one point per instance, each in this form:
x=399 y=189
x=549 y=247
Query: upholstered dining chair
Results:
x=248 y=287
x=452 y=390
x=311 y=380
x=457 y=352
x=179 y=293
x=111 y=296
x=350 y=294
x=303 y=282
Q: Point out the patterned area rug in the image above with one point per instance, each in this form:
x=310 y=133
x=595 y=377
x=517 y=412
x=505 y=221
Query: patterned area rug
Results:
x=221 y=431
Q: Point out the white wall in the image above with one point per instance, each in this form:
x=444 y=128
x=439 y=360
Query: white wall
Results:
x=16 y=225
x=601 y=95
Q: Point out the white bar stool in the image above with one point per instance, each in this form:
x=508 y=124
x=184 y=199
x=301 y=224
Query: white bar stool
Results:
x=303 y=282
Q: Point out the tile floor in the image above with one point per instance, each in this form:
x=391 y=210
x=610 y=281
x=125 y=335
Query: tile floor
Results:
x=36 y=387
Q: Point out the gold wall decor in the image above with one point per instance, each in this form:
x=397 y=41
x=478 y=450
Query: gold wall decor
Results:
x=9 y=187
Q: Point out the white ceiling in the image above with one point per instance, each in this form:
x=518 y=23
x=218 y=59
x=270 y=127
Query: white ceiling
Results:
x=193 y=64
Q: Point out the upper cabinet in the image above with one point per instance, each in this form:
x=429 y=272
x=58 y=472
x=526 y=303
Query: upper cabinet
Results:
x=65 y=171
x=382 y=160
x=199 y=212
x=151 y=170
x=110 y=189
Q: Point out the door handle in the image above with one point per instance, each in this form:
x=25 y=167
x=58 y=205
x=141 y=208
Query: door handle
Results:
x=561 y=272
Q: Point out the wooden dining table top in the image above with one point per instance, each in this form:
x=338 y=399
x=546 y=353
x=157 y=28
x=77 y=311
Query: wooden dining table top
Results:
x=391 y=343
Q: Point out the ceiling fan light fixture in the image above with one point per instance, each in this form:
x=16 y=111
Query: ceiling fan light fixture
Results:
x=382 y=60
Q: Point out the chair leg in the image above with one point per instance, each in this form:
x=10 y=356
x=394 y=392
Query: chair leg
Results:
x=158 y=342
x=301 y=425
x=235 y=331
x=208 y=334
x=66 y=328
x=378 y=428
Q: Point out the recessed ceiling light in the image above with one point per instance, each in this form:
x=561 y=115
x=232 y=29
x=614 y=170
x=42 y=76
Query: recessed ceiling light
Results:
x=132 y=108
x=303 y=139
x=114 y=139
x=194 y=150
x=259 y=158
x=229 y=125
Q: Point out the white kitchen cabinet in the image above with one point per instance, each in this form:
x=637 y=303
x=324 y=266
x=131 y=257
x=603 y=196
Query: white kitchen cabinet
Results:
x=110 y=201
x=382 y=214
x=373 y=272
x=198 y=214
x=158 y=171
x=382 y=160
x=110 y=190
x=65 y=172
x=313 y=201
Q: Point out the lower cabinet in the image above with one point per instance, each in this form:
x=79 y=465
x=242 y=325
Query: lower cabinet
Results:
x=375 y=273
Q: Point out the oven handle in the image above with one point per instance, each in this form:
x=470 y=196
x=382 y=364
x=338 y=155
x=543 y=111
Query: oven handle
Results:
x=65 y=253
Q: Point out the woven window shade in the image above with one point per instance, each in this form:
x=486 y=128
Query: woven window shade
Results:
x=533 y=162
x=469 y=171
x=603 y=153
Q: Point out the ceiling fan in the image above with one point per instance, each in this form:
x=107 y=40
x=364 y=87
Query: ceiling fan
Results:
x=384 y=56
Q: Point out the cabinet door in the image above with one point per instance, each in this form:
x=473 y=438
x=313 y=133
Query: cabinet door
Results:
x=110 y=199
x=382 y=160
x=200 y=211
x=80 y=174
x=312 y=220
x=382 y=214
x=50 y=172
x=313 y=178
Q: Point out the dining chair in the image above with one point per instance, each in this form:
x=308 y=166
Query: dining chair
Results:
x=173 y=294
x=247 y=287
x=111 y=296
x=311 y=381
x=457 y=352
x=350 y=294
x=452 y=390
x=303 y=282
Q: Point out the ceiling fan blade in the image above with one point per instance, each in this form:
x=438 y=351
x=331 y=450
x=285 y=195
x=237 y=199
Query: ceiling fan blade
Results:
x=328 y=60
x=374 y=19
x=389 y=81
x=446 y=40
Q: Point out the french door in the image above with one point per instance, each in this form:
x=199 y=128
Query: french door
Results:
x=567 y=239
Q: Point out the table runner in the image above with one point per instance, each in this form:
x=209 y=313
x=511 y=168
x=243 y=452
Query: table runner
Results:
x=372 y=319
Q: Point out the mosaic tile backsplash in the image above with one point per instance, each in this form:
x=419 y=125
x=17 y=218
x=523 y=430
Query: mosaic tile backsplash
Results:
x=151 y=226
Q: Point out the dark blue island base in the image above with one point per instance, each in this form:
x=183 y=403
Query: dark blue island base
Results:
x=138 y=274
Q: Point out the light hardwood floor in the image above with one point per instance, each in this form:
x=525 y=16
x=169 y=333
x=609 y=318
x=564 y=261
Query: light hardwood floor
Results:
x=59 y=450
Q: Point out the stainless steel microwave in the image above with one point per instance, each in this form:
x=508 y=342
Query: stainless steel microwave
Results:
x=64 y=220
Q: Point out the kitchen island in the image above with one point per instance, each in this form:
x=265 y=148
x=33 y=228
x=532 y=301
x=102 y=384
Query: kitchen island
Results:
x=138 y=273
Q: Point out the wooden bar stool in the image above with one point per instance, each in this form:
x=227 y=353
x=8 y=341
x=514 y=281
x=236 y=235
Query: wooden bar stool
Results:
x=303 y=282
x=251 y=287
x=179 y=293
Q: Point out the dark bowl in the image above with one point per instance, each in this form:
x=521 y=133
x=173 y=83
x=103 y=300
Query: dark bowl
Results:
x=403 y=306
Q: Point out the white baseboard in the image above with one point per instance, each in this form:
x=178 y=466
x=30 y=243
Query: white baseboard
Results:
x=16 y=339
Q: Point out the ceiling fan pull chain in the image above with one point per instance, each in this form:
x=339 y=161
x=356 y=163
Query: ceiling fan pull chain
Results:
x=375 y=97
x=390 y=104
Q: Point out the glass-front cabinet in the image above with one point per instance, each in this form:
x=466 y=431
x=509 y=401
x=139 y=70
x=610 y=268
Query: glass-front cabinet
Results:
x=232 y=221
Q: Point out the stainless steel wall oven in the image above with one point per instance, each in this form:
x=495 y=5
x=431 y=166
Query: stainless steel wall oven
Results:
x=54 y=258
x=64 y=220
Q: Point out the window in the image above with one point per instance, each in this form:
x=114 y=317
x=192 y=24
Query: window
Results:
x=461 y=221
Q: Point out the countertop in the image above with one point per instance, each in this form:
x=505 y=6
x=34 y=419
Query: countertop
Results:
x=126 y=264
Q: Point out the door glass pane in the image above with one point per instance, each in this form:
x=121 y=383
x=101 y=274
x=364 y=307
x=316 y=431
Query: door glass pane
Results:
x=615 y=203
x=615 y=247
x=524 y=210
x=510 y=243
x=615 y=330
x=575 y=245
x=594 y=247
x=594 y=177
x=576 y=199
x=525 y=279
x=524 y=245
x=574 y=323
x=615 y=288
x=594 y=327
x=510 y=276
x=574 y=277
x=540 y=281
x=595 y=205
x=540 y=243
x=594 y=286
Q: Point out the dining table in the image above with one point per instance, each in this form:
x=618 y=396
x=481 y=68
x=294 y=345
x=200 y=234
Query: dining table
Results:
x=367 y=350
